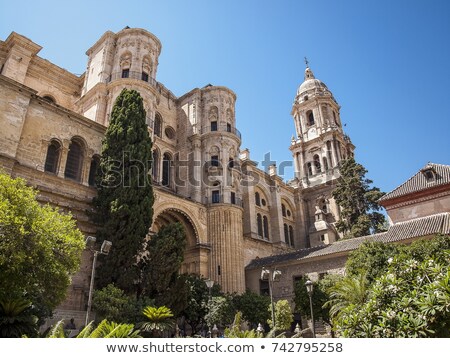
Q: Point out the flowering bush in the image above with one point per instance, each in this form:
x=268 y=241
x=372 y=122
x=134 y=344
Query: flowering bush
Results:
x=412 y=299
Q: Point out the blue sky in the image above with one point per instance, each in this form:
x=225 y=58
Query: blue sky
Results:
x=386 y=62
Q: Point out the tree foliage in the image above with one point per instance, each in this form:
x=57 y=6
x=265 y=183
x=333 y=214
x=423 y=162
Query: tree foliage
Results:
x=349 y=291
x=235 y=330
x=163 y=259
x=319 y=298
x=411 y=298
x=283 y=316
x=16 y=319
x=220 y=311
x=111 y=303
x=197 y=301
x=359 y=201
x=40 y=248
x=123 y=206
x=371 y=258
x=254 y=308
x=159 y=319
x=105 y=329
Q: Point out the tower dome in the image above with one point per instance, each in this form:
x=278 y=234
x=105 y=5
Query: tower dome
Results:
x=311 y=83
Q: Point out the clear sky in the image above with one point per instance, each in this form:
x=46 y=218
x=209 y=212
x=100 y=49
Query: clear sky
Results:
x=387 y=63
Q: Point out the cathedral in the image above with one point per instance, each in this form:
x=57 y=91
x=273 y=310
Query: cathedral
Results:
x=237 y=217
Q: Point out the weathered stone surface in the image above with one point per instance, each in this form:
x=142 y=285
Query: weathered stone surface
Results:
x=233 y=212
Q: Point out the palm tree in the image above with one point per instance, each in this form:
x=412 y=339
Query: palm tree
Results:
x=350 y=290
x=105 y=329
x=16 y=320
x=159 y=320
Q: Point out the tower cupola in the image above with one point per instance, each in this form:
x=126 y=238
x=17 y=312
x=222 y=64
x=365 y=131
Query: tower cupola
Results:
x=320 y=143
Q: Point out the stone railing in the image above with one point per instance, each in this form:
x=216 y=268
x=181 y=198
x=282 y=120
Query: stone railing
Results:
x=135 y=75
x=222 y=128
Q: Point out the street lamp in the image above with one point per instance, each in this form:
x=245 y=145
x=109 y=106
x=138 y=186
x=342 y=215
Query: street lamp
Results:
x=104 y=250
x=310 y=289
x=209 y=284
x=260 y=330
x=215 y=331
x=271 y=276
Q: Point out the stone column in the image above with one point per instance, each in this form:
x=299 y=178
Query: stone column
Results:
x=226 y=239
x=302 y=165
x=197 y=169
x=85 y=169
x=333 y=153
x=338 y=147
x=322 y=166
x=63 y=157
x=313 y=166
x=44 y=148
x=276 y=218
x=296 y=168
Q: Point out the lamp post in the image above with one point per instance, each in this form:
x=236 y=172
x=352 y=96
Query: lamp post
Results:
x=104 y=250
x=310 y=289
x=271 y=275
x=209 y=284
x=260 y=330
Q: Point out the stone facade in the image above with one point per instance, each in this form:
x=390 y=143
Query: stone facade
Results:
x=419 y=208
x=233 y=212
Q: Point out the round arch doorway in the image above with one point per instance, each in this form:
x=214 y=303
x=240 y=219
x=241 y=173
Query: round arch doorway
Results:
x=191 y=263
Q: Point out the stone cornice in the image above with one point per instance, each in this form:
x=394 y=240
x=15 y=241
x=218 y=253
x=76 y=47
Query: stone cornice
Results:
x=17 y=86
x=220 y=88
x=415 y=198
x=139 y=31
x=15 y=39
x=100 y=41
x=115 y=36
x=194 y=91
x=47 y=69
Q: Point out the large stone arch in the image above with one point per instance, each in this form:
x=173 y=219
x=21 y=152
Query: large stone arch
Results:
x=169 y=209
x=173 y=215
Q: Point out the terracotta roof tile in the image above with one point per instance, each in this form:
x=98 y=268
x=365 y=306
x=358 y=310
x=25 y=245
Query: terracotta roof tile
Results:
x=419 y=182
x=415 y=228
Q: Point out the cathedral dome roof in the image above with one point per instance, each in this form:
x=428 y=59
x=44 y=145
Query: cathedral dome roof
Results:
x=311 y=82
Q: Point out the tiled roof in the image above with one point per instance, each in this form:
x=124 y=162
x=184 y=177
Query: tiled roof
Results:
x=419 y=182
x=415 y=228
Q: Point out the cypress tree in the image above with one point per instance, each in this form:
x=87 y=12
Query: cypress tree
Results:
x=358 y=201
x=124 y=204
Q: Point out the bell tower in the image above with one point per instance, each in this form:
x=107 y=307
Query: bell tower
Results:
x=319 y=146
x=320 y=143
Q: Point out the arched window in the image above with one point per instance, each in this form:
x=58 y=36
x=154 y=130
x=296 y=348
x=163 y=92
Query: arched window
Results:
x=95 y=164
x=166 y=177
x=155 y=165
x=257 y=199
x=49 y=99
x=317 y=163
x=309 y=165
x=286 y=234
x=266 y=227
x=74 y=163
x=310 y=117
x=324 y=206
x=157 y=125
x=260 y=225
x=335 y=119
x=291 y=235
x=283 y=210
x=125 y=64
x=52 y=158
